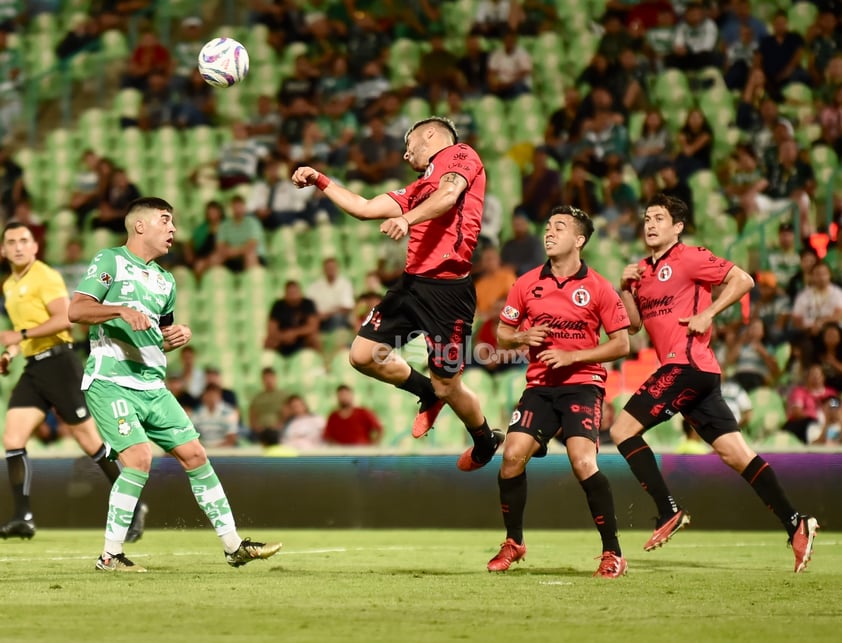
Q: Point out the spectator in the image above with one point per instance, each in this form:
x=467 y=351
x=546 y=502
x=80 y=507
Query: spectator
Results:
x=619 y=208
x=807 y=259
x=267 y=408
x=216 y=420
x=351 y=425
x=84 y=35
x=265 y=124
x=738 y=401
x=336 y=83
x=159 y=106
x=524 y=250
x=563 y=130
x=829 y=354
x=365 y=303
x=830 y=122
x=376 y=157
x=333 y=296
x=615 y=37
x=369 y=89
x=790 y=181
x=494 y=281
x=580 y=190
x=696 y=38
x=804 y=402
x=510 y=69
x=293 y=323
x=303 y=430
x=674 y=186
x=773 y=308
x=492 y=222
x=739 y=59
x=486 y=349
x=462 y=118
x=112 y=208
x=781 y=55
x=10 y=85
x=738 y=17
x=276 y=202
x=824 y=41
x=474 y=67
x=605 y=139
x=339 y=127
x=196 y=104
x=284 y=20
x=74 y=265
x=367 y=41
x=495 y=18
x=819 y=303
x=390 y=109
x=782 y=259
x=695 y=145
x=187 y=48
x=744 y=182
x=178 y=387
x=202 y=248
x=86 y=192
x=241 y=242
x=148 y=57
x=660 y=38
x=752 y=361
x=438 y=72
x=214 y=376
x=302 y=83
x=541 y=188
x=239 y=158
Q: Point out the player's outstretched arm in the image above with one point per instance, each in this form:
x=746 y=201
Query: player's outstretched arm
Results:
x=380 y=207
x=84 y=309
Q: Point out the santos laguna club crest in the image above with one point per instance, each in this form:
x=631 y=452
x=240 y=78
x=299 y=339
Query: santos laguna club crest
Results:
x=664 y=273
x=581 y=297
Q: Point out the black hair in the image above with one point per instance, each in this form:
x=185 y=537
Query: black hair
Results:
x=676 y=207
x=14 y=225
x=584 y=223
x=148 y=202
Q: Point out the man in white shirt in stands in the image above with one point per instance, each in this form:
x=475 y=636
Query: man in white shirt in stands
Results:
x=333 y=295
x=216 y=421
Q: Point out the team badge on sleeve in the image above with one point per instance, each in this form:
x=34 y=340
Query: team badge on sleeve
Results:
x=105 y=278
x=511 y=313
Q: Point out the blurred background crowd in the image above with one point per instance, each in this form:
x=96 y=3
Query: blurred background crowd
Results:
x=733 y=106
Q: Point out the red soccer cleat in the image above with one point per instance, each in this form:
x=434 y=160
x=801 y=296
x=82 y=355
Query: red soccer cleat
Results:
x=611 y=565
x=467 y=462
x=802 y=541
x=426 y=417
x=510 y=552
x=663 y=533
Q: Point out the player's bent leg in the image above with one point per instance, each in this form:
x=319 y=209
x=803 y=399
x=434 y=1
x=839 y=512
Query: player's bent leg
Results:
x=465 y=404
x=625 y=426
x=378 y=360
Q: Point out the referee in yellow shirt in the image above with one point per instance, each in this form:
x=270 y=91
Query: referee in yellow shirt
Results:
x=37 y=303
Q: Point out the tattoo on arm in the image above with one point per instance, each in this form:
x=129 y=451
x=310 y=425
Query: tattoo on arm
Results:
x=452 y=177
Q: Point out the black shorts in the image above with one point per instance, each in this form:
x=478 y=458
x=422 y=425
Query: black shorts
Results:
x=440 y=309
x=53 y=381
x=547 y=412
x=683 y=389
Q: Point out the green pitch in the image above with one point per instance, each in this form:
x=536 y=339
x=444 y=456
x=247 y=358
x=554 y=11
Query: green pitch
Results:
x=420 y=586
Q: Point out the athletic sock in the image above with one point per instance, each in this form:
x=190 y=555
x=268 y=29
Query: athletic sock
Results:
x=419 y=385
x=645 y=468
x=484 y=442
x=20 y=479
x=513 y=504
x=109 y=467
x=601 y=503
x=763 y=480
x=211 y=498
x=121 y=505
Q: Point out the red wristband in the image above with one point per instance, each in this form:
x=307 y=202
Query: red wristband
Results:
x=322 y=181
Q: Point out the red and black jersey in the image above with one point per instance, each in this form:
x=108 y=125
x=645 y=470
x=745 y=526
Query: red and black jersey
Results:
x=677 y=286
x=575 y=309
x=441 y=248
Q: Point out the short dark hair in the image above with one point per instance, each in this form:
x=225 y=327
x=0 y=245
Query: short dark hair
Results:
x=267 y=369
x=148 y=202
x=676 y=207
x=343 y=387
x=584 y=223
x=440 y=121
x=14 y=225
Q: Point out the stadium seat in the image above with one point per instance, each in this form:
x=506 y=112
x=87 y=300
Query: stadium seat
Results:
x=801 y=16
x=768 y=414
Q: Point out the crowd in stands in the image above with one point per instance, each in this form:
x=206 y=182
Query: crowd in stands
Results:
x=642 y=113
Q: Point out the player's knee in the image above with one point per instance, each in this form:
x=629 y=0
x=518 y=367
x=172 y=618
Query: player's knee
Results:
x=583 y=467
x=362 y=360
x=514 y=463
x=445 y=387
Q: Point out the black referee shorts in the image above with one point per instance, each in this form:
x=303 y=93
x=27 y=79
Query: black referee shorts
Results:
x=440 y=309
x=53 y=382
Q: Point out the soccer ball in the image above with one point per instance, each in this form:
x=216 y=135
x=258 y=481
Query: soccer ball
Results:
x=223 y=62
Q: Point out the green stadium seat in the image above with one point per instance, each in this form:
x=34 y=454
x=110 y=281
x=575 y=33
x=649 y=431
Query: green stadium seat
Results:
x=768 y=414
x=801 y=16
x=127 y=104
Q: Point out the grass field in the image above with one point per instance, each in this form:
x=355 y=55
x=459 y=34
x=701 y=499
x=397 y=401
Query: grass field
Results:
x=421 y=586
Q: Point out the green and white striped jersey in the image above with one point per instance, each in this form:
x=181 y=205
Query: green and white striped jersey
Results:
x=129 y=358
